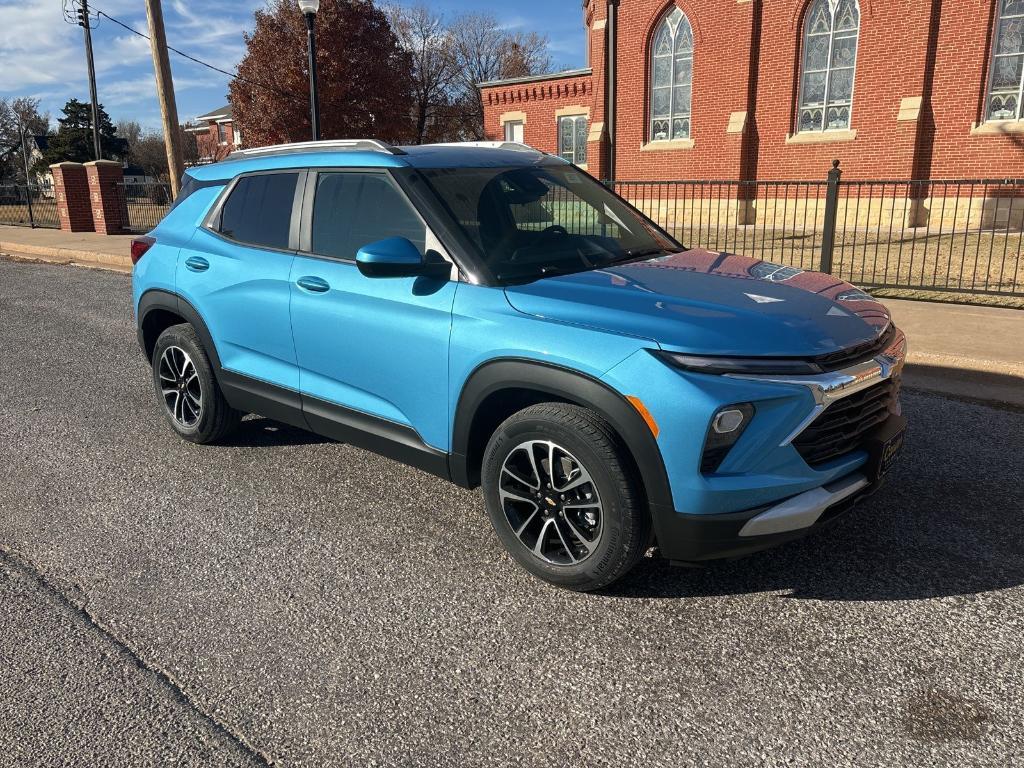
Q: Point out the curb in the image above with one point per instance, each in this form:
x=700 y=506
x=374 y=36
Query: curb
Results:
x=67 y=255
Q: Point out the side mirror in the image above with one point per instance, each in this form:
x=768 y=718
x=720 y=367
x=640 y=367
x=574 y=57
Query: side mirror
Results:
x=398 y=257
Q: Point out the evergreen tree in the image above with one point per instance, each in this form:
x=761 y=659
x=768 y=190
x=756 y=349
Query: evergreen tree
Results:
x=72 y=141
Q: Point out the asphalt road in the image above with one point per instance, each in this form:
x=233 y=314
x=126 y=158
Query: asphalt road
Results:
x=289 y=600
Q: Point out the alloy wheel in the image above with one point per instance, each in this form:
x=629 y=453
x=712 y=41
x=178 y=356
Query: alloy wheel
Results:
x=551 y=502
x=180 y=386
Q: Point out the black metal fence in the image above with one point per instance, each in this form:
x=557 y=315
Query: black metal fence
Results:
x=963 y=236
x=145 y=203
x=28 y=206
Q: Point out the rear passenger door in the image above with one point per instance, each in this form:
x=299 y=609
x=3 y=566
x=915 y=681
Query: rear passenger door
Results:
x=369 y=347
x=235 y=271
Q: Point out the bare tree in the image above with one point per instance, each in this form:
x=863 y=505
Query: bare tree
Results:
x=422 y=33
x=130 y=131
x=19 y=118
x=189 y=145
x=484 y=51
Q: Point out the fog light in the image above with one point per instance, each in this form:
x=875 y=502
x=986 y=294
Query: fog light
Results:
x=728 y=421
x=726 y=428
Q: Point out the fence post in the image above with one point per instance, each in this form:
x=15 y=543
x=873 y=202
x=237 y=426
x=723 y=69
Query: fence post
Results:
x=828 y=236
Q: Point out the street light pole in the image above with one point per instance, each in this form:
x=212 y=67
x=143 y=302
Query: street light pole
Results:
x=23 y=133
x=83 y=22
x=309 y=9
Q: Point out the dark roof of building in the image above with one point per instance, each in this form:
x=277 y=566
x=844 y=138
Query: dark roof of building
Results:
x=221 y=113
x=537 y=78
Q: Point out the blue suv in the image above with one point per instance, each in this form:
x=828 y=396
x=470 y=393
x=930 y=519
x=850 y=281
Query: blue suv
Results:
x=495 y=316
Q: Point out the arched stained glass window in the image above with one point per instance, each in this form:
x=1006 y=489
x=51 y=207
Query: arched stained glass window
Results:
x=830 y=59
x=672 y=78
x=1006 y=85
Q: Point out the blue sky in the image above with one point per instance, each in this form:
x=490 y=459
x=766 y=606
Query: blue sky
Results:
x=42 y=56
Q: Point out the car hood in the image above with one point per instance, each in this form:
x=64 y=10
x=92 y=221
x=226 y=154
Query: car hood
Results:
x=704 y=302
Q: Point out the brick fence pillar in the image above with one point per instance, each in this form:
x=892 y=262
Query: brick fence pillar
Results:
x=71 y=187
x=109 y=210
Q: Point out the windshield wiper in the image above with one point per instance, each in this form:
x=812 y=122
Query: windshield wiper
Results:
x=641 y=254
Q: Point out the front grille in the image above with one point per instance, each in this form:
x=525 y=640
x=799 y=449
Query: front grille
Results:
x=844 y=424
x=844 y=358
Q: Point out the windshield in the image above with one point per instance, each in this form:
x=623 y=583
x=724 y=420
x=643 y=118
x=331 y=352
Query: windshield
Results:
x=530 y=223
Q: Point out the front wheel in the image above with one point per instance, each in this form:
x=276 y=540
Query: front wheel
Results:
x=187 y=389
x=562 y=498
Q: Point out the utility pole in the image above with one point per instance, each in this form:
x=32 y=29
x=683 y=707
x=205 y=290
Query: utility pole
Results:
x=165 y=93
x=83 y=22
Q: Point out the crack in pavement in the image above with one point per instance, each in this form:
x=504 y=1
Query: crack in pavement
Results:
x=80 y=614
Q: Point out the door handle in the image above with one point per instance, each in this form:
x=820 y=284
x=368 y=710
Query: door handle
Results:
x=197 y=264
x=313 y=284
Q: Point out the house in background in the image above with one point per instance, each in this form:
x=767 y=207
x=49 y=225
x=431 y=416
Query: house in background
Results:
x=37 y=146
x=216 y=136
x=133 y=174
x=748 y=89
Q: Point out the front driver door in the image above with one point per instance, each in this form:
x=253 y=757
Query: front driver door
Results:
x=372 y=352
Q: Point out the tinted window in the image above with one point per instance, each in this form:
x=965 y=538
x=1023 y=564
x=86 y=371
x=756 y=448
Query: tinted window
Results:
x=191 y=185
x=355 y=209
x=259 y=210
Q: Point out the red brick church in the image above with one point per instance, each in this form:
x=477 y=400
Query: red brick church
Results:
x=776 y=89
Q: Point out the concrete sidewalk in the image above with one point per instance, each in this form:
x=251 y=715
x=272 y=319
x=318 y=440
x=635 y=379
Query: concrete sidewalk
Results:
x=971 y=352
x=85 y=248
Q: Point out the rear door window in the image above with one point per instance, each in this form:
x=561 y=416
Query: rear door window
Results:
x=259 y=210
x=355 y=209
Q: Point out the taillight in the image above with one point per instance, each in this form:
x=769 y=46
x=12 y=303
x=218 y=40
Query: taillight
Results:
x=139 y=247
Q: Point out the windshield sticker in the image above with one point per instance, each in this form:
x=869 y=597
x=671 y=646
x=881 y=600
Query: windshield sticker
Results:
x=611 y=215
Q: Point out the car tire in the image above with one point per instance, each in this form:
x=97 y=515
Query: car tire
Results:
x=582 y=526
x=187 y=390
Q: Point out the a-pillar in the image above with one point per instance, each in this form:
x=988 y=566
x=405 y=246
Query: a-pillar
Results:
x=106 y=190
x=71 y=187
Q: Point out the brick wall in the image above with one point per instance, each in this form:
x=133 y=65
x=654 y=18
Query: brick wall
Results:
x=208 y=142
x=922 y=72
x=109 y=209
x=539 y=102
x=71 y=188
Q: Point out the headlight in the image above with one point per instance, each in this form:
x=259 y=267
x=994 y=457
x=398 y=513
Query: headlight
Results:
x=774 y=366
x=725 y=429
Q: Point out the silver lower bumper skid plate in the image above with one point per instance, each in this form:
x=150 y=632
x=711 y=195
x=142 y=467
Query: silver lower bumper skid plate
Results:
x=804 y=510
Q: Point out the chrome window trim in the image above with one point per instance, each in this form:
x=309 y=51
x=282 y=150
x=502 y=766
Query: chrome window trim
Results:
x=828 y=388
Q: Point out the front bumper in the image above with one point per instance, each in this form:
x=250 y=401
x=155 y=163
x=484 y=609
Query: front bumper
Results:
x=688 y=539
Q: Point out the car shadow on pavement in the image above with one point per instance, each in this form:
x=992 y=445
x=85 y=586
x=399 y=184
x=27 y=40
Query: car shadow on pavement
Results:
x=259 y=432
x=861 y=558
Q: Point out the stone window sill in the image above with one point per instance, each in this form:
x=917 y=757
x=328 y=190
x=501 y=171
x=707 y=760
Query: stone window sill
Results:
x=997 y=128
x=667 y=146
x=821 y=137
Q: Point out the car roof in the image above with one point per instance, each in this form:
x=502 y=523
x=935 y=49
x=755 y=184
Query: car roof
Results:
x=373 y=154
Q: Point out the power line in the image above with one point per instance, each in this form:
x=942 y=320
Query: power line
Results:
x=233 y=75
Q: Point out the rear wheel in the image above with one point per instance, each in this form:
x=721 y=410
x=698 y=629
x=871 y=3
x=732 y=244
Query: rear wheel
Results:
x=187 y=389
x=562 y=498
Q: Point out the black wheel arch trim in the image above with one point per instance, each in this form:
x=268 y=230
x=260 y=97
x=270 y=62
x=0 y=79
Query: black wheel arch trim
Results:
x=570 y=385
x=159 y=299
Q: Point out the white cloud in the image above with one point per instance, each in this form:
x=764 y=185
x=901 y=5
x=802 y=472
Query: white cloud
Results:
x=43 y=56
